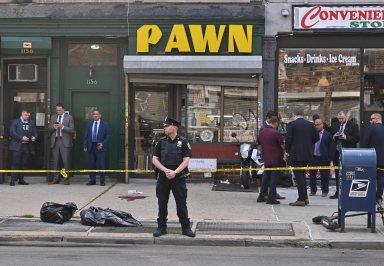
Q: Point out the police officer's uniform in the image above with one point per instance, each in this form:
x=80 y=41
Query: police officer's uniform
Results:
x=171 y=153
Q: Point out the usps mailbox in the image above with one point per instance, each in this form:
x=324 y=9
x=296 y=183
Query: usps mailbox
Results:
x=357 y=184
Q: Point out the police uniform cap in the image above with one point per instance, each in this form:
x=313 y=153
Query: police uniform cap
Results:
x=170 y=121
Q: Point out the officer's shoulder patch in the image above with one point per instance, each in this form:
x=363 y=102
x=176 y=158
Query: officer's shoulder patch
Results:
x=189 y=145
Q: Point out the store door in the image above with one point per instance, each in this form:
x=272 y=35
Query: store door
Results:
x=83 y=103
x=151 y=104
x=25 y=87
x=373 y=98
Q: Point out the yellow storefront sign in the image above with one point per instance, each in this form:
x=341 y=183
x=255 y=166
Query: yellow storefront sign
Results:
x=209 y=40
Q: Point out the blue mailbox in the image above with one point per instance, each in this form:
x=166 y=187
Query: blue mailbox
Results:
x=357 y=184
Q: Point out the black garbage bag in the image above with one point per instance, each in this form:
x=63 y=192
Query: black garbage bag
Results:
x=52 y=212
x=98 y=216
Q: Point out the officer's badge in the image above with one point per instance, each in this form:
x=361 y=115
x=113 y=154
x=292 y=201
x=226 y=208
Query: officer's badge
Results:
x=179 y=143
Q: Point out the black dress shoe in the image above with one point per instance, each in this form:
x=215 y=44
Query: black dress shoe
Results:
x=90 y=183
x=261 y=198
x=56 y=181
x=272 y=202
x=279 y=197
x=334 y=196
x=12 y=183
x=22 y=182
x=160 y=231
x=66 y=181
x=102 y=184
x=188 y=232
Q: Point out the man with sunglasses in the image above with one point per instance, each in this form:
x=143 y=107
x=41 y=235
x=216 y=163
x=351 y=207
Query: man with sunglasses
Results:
x=171 y=157
x=373 y=138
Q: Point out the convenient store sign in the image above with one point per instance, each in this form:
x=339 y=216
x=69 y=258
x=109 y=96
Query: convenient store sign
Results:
x=332 y=17
x=239 y=38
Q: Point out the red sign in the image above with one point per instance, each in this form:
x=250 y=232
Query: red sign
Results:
x=344 y=17
x=215 y=151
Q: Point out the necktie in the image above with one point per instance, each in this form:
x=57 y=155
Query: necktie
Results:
x=339 y=145
x=94 y=132
x=317 y=145
x=59 y=131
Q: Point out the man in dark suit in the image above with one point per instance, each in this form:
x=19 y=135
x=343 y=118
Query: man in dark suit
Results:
x=299 y=145
x=23 y=133
x=373 y=138
x=96 y=139
x=267 y=120
x=344 y=134
x=61 y=129
x=320 y=158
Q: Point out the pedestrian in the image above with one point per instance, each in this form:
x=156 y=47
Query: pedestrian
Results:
x=344 y=134
x=299 y=145
x=96 y=139
x=320 y=158
x=23 y=134
x=272 y=146
x=171 y=157
x=373 y=138
x=61 y=129
x=268 y=117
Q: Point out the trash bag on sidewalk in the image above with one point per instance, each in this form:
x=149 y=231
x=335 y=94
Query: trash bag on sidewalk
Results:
x=98 y=216
x=52 y=212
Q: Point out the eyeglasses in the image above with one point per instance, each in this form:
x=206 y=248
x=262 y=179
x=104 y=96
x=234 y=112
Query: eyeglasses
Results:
x=372 y=118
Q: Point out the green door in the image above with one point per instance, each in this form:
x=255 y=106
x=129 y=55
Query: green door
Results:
x=83 y=103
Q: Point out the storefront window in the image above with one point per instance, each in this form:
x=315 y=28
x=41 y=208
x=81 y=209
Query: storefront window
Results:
x=240 y=114
x=321 y=81
x=91 y=54
x=204 y=105
x=204 y=114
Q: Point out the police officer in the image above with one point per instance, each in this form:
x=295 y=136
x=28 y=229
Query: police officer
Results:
x=171 y=156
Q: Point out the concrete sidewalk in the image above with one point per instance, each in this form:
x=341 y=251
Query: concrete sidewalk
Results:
x=219 y=218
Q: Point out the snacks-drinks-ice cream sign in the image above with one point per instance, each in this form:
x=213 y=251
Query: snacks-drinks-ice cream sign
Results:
x=341 y=17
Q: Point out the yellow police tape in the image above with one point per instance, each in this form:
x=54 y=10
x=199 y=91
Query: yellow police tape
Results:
x=64 y=172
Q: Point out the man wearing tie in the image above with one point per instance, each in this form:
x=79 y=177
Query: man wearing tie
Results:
x=345 y=134
x=23 y=133
x=96 y=138
x=61 y=129
x=320 y=158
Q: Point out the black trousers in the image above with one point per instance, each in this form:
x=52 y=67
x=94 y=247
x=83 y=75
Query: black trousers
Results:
x=336 y=162
x=300 y=179
x=20 y=161
x=179 y=190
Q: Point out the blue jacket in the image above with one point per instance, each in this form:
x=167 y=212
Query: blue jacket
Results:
x=18 y=130
x=103 y=135
x=325 y=144
x=373 y=138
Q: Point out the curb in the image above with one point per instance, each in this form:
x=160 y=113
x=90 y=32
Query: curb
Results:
x=65 y=241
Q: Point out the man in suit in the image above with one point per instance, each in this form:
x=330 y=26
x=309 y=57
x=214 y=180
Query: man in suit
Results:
x=299 y=145
x=320 y=158
x=61 y=129
x=344 y=134
x=23 y=133
x=96 y=139
x=373 y=138
x=267 y=121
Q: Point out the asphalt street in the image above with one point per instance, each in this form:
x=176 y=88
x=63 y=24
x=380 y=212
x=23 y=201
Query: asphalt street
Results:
x=181 y=255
